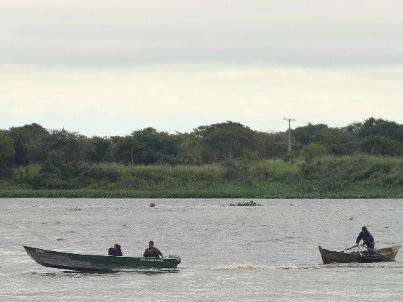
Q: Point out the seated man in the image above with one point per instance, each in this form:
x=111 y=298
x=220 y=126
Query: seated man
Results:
x=115 y=250
x=367 y=239
x=152 y=251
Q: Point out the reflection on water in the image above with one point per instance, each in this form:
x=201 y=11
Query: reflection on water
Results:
x=80 y=274
x=228 y=253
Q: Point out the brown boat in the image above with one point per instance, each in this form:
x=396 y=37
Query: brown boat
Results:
x=382 y=255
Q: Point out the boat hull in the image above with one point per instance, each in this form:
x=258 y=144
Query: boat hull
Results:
x=79 y=262
x=381 y=255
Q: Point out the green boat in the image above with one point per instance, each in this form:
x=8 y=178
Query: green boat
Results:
x=99 y=263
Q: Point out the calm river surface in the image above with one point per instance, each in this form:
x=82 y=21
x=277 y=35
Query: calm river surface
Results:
x=265 y=253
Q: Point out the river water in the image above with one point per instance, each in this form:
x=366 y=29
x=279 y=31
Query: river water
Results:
x=263 y=253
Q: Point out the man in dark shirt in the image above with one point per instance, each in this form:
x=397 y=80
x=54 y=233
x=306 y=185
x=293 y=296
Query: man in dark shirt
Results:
x=115 y=250
x=367 y=238
x=152 y=251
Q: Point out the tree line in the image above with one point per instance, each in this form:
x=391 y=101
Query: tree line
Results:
x=58 y=152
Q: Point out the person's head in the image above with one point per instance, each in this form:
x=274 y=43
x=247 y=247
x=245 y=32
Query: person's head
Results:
x=151 y=244
x=364 y=229
x=117 y=246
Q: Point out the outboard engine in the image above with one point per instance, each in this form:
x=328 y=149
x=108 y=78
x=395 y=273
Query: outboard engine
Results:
x=177 y=258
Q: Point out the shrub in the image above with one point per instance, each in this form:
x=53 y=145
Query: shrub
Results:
x=234 y=170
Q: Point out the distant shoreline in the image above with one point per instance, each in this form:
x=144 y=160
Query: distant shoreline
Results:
x=223 y=160
x=363 y=193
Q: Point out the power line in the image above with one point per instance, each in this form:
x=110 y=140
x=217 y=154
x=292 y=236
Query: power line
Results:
x=289 y=120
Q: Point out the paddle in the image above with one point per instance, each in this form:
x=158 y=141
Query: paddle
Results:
x=351 y=247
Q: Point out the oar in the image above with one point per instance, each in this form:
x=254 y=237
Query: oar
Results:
x=351 y=247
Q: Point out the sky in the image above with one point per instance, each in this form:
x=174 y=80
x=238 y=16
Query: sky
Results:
x=111 y=67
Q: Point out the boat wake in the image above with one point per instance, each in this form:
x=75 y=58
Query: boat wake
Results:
x=149 y=271
x=251 y=266
x=241 y=266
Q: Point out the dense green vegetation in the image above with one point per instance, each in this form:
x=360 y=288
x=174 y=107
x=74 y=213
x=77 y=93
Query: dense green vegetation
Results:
x=220 y=160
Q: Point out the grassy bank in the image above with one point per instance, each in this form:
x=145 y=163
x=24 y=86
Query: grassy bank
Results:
x=277 y=193
x=356 y=176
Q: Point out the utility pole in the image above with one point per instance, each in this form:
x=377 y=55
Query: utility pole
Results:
x=289 y=120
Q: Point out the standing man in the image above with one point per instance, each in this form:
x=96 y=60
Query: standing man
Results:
x=152 y=251
x=367 y=238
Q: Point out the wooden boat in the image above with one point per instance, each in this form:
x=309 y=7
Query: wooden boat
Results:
x=382 y=255
x=79 y=262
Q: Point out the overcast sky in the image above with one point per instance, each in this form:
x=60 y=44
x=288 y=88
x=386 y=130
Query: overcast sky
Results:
x=111 y=67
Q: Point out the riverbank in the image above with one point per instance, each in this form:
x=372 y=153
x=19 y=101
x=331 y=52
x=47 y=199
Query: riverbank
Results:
x=355 y=176
x=355 y=193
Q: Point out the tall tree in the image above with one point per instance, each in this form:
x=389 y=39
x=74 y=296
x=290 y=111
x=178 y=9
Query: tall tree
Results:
x=156 y=147
x=227 y=140
x=124 y=149
x=337 y=141
x=70 y=146
x=379 y=136
x=273 y=145
x=6 y=152
x=28 y=141
x=190 y=149
x=378 y=127
x=100 y=149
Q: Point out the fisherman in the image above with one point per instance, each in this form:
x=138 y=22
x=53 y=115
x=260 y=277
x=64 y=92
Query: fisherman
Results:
x=367 y=239
x=152 y=251
x=115 y=250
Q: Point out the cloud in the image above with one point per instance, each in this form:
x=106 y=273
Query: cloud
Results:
x=109 y=67
x=178 y=97
x=126 y=32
